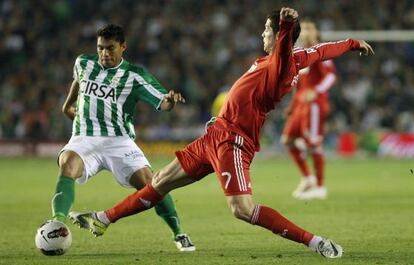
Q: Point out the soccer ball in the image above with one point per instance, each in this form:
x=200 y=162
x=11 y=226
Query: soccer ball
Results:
x=53 y=238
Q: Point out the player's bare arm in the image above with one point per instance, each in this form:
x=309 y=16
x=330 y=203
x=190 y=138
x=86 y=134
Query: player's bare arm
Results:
x=68 y=109
x=170 y=99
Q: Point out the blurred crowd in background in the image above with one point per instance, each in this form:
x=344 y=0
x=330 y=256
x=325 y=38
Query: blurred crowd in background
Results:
x=199 y=48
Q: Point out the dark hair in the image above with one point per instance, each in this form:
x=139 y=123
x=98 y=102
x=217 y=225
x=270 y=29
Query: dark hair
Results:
x=274 y=17
x=113 y=32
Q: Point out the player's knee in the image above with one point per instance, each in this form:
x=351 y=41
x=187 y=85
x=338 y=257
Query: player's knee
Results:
x=316 y=149
x=242 y=212
x=160 y=178
x=70 y=165
x=140 y=178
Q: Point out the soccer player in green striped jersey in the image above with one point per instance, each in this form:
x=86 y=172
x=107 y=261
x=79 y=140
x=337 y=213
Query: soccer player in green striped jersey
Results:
x=101 y=102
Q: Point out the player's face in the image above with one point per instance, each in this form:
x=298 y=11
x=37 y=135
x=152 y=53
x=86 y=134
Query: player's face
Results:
x=309 y=34
x=110 y=52
x=269 y=37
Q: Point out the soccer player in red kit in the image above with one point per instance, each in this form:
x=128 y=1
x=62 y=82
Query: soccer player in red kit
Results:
x=306 y=115
x=229 y=144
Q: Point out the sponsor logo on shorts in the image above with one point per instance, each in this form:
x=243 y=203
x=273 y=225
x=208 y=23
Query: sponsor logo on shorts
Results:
x=132 y=155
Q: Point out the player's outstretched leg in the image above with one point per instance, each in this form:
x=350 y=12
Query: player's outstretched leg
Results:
x=307 y=180
x=71 y=167
x=243 y=208
x=98 y=222
x=169 y=178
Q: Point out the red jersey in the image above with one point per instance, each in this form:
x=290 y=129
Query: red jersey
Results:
x=319 y=77
x=258 y=91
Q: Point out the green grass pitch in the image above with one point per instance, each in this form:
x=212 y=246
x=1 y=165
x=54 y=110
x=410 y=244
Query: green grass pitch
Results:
x=370 y=212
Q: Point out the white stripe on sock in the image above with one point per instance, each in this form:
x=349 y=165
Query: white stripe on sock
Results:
x=313 y=244
x=103 y=218
x=255 y=215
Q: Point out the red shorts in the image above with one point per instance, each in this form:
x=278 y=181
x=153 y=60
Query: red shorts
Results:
x=224 y=152
x=307 y=123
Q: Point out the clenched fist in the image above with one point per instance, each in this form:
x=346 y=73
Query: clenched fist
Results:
x=288 y=14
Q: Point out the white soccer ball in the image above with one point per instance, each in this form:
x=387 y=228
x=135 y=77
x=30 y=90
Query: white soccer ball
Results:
x=53 y=238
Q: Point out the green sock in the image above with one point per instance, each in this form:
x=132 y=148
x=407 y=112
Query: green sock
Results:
x=63 y=198
x=166 y=210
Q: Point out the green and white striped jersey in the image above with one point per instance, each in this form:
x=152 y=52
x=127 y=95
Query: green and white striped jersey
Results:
x=107 y=97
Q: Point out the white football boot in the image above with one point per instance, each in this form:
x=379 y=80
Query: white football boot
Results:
x=320 y=193
x=329 y=249
x=183 y=243
x=306 y=183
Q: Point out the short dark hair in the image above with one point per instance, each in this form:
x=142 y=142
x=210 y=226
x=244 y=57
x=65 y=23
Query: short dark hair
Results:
x=274 y=17
x=112 y=32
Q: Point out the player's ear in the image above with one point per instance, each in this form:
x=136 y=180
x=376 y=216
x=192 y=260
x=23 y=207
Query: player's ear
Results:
x=124 y=46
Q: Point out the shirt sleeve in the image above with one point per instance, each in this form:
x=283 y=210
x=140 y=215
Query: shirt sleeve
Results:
x=323 y=51
x=329 y=77
x=150 y=90
x=280 y=58
x=280 y=64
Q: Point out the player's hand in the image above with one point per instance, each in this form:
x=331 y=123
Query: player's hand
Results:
x=174 y=97
x=365 y=48
x=288 y=14
x=309 y=96
x=170 y=99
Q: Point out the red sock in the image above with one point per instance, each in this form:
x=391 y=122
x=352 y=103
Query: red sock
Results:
x=272 y=220
x=300 y=161
x=318 y=163
x=137 y=202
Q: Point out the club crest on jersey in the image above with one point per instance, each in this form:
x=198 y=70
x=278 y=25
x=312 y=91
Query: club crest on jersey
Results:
x=99 y=90
x=114 y=82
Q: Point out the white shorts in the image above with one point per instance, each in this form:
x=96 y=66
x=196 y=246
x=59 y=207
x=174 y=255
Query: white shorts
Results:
x=117 y=154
